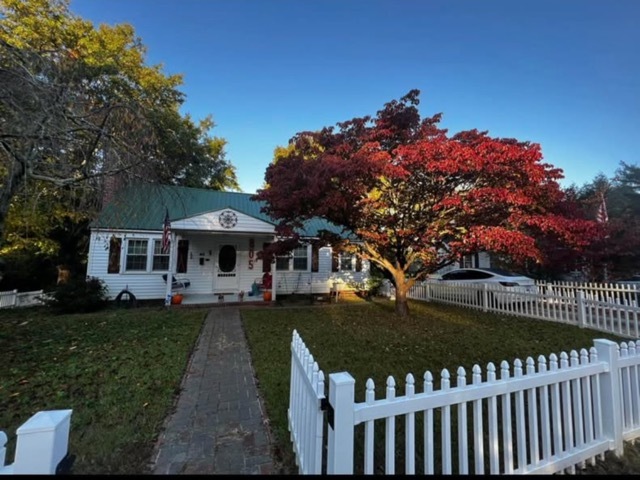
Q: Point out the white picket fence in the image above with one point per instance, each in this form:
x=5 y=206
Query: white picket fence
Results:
x=13 y=298
x=613 y=310
x=305 y=415
x=552 y=418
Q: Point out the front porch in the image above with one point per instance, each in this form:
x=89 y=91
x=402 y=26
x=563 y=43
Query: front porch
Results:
x=213 y=299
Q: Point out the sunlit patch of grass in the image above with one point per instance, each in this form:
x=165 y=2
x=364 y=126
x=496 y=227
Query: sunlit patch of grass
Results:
x=119 y=370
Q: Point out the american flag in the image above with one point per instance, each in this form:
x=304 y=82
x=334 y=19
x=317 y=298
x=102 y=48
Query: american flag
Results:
x=602 y=216
x=166 y=233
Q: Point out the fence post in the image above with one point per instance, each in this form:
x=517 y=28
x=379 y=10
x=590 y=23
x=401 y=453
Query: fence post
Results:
x=42 y=442
x=610 y=395
x=485 y=297
x=3 y=449
x=14 y=298
x=582 y=311
x=341 y=437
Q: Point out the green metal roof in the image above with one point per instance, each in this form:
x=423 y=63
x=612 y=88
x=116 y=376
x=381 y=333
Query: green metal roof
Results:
x=143 y=208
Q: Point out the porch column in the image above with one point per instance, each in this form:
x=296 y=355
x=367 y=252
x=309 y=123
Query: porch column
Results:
x=172 y=258
x=274 y=281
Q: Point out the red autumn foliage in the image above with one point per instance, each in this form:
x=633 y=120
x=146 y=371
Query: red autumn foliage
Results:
x=416 y=197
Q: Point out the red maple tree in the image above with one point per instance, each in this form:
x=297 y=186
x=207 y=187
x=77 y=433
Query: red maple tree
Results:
x=417 y=199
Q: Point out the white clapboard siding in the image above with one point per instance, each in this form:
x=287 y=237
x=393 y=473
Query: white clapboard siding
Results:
x=210 y=222
x=202 y=260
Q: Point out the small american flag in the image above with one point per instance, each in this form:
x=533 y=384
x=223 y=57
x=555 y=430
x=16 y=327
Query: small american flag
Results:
x=602 y=216
x=166 y=233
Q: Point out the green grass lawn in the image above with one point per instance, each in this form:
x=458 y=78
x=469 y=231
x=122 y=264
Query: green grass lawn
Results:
x=370 y=341
x=119 y=370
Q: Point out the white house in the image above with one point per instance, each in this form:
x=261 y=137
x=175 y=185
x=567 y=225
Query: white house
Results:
x=215 y=238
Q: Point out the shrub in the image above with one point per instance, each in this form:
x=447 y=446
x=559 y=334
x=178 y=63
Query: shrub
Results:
x=78 y=295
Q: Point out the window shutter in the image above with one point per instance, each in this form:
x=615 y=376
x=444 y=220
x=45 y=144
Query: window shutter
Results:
x=315 y=257
x=115 y=245
x=266 y=260
x=335 y=261
x=358 y=264
x=183 y=256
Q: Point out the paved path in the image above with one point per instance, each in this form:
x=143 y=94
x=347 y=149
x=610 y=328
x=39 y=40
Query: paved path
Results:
x=218 y=425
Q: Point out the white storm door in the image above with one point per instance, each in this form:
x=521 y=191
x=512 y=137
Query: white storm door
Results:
x=226 y=268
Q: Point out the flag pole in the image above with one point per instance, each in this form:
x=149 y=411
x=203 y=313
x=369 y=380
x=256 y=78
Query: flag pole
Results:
x=602 y=217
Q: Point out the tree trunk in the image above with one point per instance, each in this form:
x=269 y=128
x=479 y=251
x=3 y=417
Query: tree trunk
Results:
x=13 y=182
x=402 y=307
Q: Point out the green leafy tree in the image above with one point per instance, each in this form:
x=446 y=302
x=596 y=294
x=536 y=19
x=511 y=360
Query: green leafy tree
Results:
x=79 y=107
x=616 y=253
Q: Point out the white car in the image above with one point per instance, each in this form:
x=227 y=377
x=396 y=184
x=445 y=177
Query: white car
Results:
x=500 y=279
x=488 y=275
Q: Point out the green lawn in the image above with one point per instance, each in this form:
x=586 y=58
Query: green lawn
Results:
x=119 y=370
x=369 y=341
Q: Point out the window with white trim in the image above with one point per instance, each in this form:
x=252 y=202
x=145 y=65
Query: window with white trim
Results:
x=297 y=259
x=347 y=262
x=136 y=255
x=160 y=260
x=301 y=258
x=282 y=262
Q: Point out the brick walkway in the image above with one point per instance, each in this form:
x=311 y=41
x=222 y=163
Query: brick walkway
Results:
x=218 y=426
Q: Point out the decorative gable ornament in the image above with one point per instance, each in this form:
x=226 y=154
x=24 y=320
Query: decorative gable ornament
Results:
x=228 y=219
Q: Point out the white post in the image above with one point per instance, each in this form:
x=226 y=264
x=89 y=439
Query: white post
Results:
x=582 y=311
x=274 y=281
x=42 y=442
x=341 y=437
x=610 y=396
x=3 y=449
x=14 y=299
x=172 y=256
x=485 y=297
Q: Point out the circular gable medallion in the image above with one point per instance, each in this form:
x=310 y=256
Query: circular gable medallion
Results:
x=228 y=219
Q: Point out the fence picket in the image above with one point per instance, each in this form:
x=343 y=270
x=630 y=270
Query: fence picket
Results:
x=532 y=416
x=576 y=396
x=545 y=421
x=370 y=397
x=410 y=430
x=390 y=432
x=463 y=447
x=477 y=423
x=507 y=437
x=494 y=458
x=428 y=428
x=446 y=426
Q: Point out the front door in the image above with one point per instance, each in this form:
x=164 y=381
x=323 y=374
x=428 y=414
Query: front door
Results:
x=226 y=275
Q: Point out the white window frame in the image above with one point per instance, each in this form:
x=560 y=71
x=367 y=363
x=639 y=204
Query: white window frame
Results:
x=290 y=258
x=146 y=256
x=150 y=254
x=157 y=243
x=342 y=258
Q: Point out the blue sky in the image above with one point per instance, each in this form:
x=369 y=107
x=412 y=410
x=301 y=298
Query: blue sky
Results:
x=562 y=73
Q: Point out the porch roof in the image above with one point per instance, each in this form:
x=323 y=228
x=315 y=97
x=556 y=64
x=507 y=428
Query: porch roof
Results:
x=143 y=208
